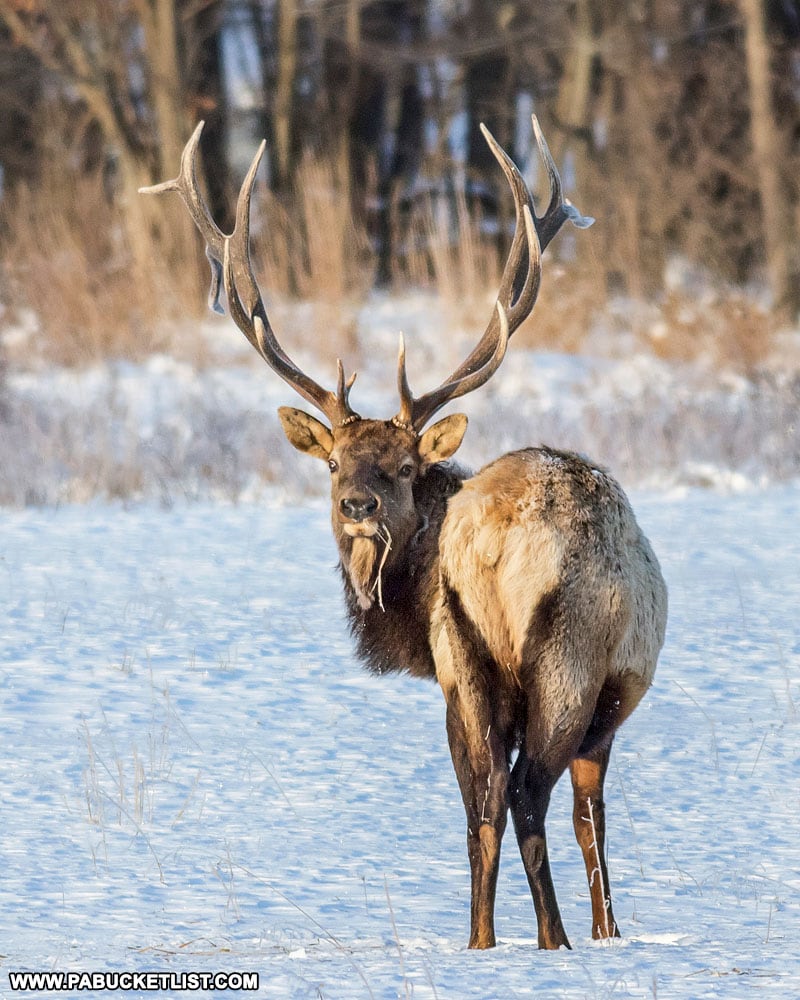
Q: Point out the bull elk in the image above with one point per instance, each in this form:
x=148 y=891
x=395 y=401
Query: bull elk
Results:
x=527 y=589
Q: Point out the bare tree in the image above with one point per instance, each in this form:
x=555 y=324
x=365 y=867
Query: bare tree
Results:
x=283 y=106
x=768 y=153
x=116 y=66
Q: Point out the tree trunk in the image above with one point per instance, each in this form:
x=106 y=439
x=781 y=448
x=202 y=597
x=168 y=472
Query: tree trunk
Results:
x=574 y=91
x=287 y=64
x=768 y=152
x=208 y=100
x=162 y=48
x=487 y=89
x=353 y=42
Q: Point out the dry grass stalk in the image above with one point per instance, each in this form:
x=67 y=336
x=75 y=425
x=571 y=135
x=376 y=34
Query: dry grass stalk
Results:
x=732 y=331
x=67 y=259
x=311 y=246
x=444 y=249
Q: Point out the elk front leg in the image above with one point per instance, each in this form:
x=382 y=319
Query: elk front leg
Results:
x=482 y=772
x=478 y=745
x=589 y=819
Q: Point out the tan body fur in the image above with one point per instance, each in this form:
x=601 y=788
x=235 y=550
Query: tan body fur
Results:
x=516 y=533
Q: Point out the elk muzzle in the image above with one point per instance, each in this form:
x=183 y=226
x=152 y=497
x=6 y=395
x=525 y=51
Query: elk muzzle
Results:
x=357 y=514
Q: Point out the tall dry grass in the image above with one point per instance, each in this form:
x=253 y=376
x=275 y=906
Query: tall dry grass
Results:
x=326 y=251
x=446 y=251
x=66 y=258
x=448 y=248
x=731 y=331
x=309 y=245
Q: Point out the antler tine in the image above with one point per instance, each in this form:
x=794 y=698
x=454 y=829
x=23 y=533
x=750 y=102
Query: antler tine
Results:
x=477 y=369
x=250 y=315
x=525 y=248
x=415 y=413
x=519 y=307
x=560 y=208
x=186 y=186
x=405 y=415
x=557 y=213
x=244 y=298
x=231 y=266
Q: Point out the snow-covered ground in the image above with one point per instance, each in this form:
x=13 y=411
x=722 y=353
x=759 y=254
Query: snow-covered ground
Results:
x=198 y=776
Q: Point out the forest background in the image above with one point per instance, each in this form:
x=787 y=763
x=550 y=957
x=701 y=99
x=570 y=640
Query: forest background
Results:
x=675 y=122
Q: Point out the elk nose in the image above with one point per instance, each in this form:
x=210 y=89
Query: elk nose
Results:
x=358 y=508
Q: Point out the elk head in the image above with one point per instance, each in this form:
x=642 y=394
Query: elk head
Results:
x=374 y=464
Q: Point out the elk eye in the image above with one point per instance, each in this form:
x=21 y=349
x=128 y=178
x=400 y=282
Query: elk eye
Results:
x=333 y=465
x=406 y=470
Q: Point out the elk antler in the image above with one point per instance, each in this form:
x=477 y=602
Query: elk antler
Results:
x=231 y=268
x=229 y=257
x=519 y=287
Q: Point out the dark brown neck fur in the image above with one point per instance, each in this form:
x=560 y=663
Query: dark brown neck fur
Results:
x=396 y=639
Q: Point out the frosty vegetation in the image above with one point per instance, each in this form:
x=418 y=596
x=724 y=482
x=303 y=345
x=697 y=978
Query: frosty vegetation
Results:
x=170 y=430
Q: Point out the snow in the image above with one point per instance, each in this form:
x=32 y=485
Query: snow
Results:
x=197 y=775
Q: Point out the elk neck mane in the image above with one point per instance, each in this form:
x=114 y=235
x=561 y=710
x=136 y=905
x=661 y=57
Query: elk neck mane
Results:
x=394 y=638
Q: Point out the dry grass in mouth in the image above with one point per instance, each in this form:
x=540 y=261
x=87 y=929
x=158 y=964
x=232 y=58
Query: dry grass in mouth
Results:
x=366 y=580
x=386 y=538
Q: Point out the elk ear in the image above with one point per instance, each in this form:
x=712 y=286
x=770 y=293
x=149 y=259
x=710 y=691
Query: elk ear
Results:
x=443 y=439
x=306 y=433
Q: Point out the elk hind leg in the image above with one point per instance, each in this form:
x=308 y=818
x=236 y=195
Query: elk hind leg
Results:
x=533 y=778
x=554 y=733
x=589 y=821
x=616 y=701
